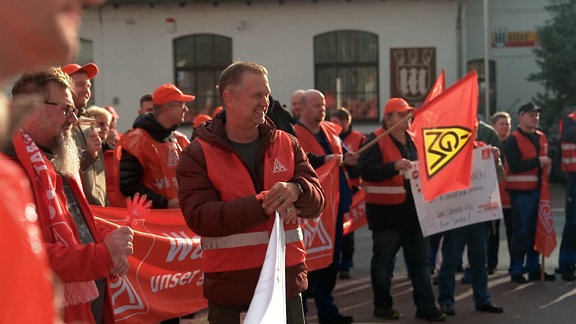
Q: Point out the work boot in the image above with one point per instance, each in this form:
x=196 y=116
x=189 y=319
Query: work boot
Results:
x=568 y=274
x=386 y=312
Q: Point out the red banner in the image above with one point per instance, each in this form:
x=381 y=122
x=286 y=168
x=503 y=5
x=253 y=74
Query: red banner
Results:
x=545 y=240
x=165 y=278
x=356 y=217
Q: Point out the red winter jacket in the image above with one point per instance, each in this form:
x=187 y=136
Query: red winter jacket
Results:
x=208 y=216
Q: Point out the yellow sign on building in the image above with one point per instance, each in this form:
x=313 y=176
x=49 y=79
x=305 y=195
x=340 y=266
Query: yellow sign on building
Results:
x=503 y=38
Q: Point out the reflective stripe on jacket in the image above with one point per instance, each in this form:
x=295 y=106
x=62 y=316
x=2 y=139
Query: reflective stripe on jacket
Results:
x=247 y=250
x=389 y=191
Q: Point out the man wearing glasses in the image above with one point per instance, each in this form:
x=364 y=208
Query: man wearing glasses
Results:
x=92 y=168
x=82 y=255
x=151 y=150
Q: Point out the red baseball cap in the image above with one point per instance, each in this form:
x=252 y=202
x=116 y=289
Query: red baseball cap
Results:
x=397 y=105
x=169 y=92
x=89 y=68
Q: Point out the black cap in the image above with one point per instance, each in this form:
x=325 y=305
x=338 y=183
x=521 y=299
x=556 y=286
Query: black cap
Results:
x=528 y=107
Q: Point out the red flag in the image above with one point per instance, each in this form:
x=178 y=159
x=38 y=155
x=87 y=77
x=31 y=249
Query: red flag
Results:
x=545 y=240
x=356 y=217
x=444 y=132
x=437 y=88
x=319 y=232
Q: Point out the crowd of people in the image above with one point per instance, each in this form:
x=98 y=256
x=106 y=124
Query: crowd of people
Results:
x=62 y=156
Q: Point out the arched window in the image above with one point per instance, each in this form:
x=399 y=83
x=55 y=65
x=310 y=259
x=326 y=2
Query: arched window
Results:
x=198 y=61
x=346 y=71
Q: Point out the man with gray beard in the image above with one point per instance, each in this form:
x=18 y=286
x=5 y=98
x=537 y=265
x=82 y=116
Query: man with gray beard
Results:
x=82 y=255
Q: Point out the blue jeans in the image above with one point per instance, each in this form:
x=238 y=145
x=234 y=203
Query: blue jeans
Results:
x=416 y=249
x=507 y=213
x=476 y=237
x=524 y=218
x=434 y=247
x=347 y=260
x=493 y=244
x=567 y=258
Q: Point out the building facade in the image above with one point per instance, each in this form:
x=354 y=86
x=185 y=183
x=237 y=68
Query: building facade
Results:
x=358 y=52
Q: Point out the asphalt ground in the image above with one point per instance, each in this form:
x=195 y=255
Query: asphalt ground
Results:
x=535 y=302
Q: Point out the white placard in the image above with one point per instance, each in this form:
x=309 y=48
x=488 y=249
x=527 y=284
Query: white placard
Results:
x=479 y=203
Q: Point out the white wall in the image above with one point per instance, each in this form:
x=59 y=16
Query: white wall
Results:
x=513 y=65
x=133 y=47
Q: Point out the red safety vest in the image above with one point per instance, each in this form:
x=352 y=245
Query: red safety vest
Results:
x=246 y=250
x=568 y=149
x=310 y=144
x=353 y=141
x=389 y=191
x=527 y=180
x=158 y=160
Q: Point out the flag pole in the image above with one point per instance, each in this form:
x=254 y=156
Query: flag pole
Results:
x=487 y=44
x=386 y=132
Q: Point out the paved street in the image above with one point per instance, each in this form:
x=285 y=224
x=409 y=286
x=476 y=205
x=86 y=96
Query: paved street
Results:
x=535 y=302
x=550 y=302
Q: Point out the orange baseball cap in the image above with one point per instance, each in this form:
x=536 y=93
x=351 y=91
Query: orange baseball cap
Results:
x=397 y=105
x=217 y=110
x=199 y=119
x=89 y=68
x=169 y=92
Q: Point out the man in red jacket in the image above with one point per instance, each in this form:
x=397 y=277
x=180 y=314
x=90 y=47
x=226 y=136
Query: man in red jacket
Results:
x=236 y=173
x=80 y=254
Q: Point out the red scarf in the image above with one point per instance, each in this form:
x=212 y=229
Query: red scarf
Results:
x=51 y=206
